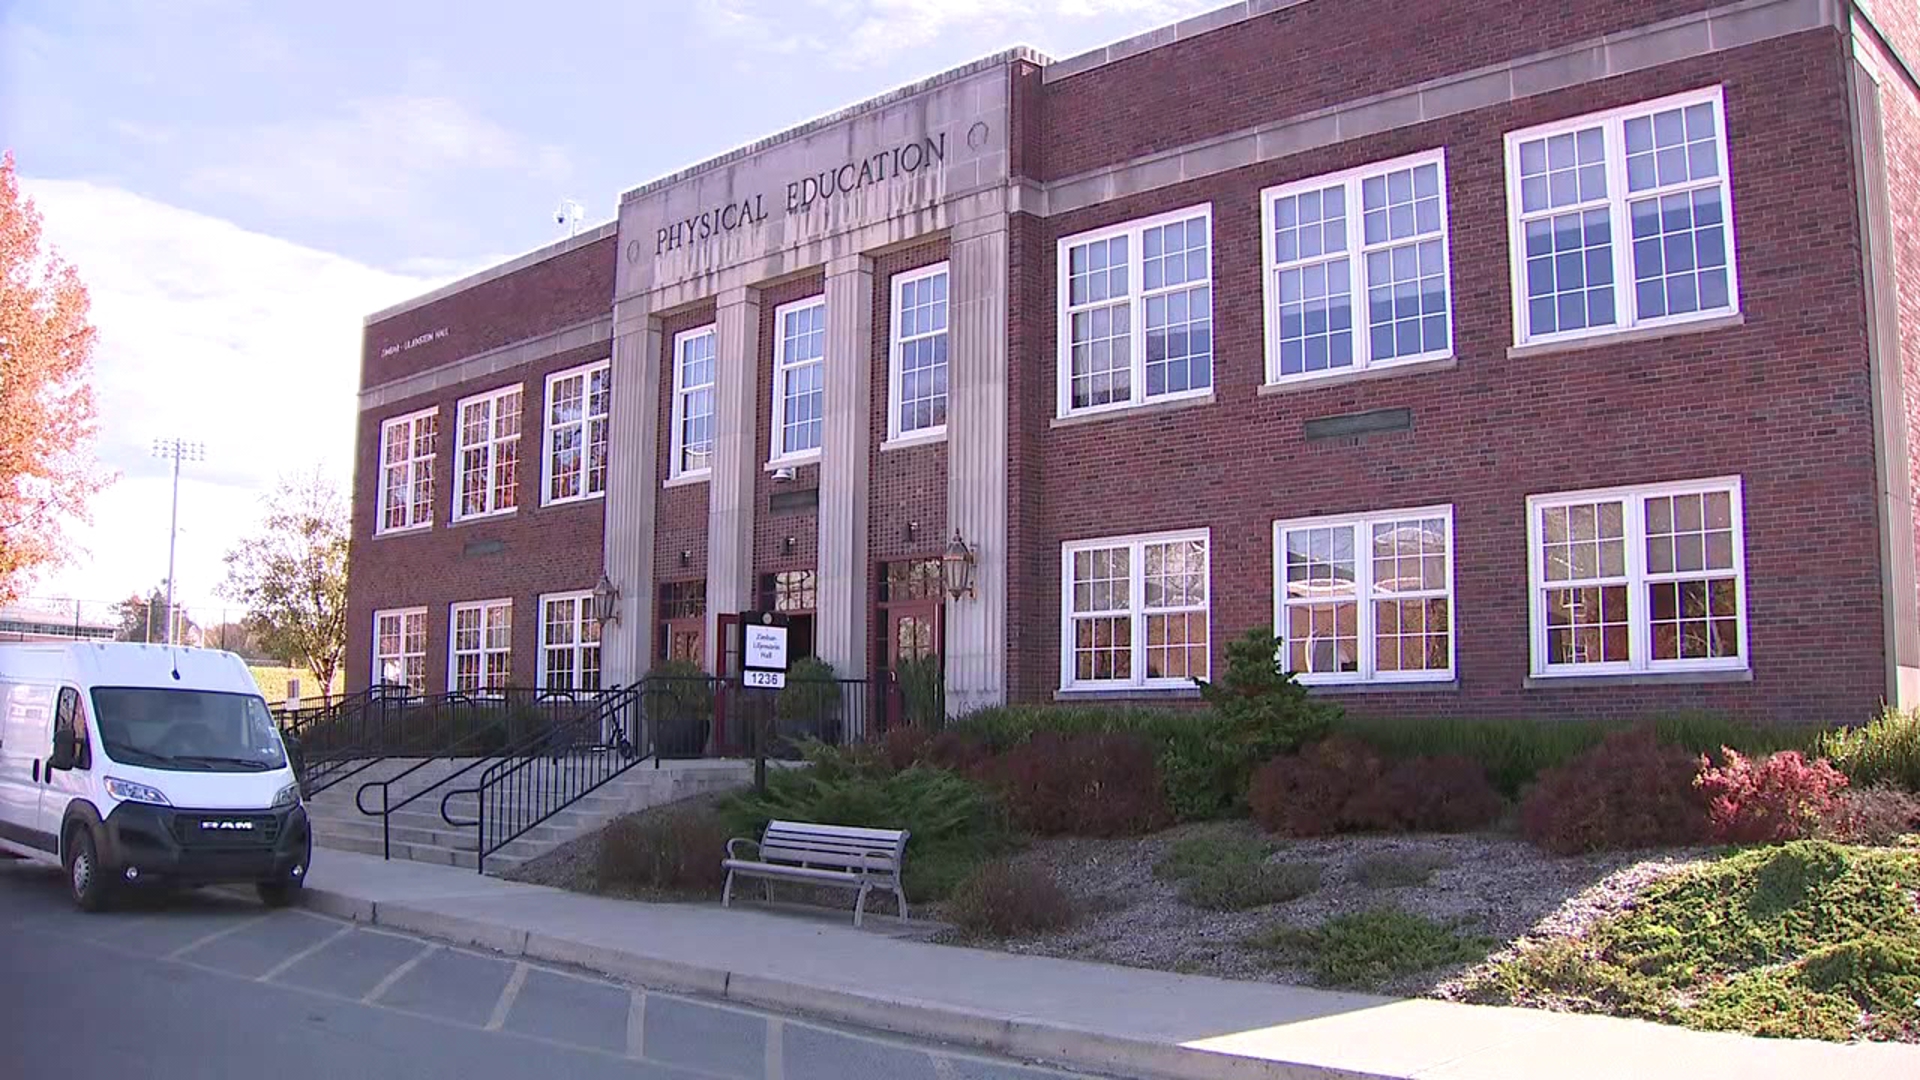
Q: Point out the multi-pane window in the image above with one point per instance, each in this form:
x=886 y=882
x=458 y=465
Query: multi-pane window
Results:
x=693 y=372
x=1135 y=612
x=1136 y=312
x=912 y=579
x=919 y=382
x=400 y=649
x=1638 y=579
x=1622 y=219
x=799 y=377
x=569 y=642
x=482 y=648
x=578 y=406
x=407 y=447
x=1366 y=598
x=488 y=457
x=1373 y=238
x=683 y=614
x=791 y=591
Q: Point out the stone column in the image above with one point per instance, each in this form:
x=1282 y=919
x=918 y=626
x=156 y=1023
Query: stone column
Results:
x=626 y=646
x=840 y=625
x=976 y=626
x=730 y=490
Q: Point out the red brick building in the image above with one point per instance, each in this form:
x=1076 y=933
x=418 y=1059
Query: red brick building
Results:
x=1505 y=360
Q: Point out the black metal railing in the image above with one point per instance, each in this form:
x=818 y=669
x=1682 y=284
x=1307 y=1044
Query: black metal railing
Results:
x=719 y=717
x=540 y=779
x=508 y=725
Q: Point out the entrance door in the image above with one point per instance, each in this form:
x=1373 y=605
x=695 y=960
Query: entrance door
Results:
x=909 y=655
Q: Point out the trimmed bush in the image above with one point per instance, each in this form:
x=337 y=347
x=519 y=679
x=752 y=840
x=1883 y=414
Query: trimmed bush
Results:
x=1314 y=792
x=1398 y=869
x=1237 y=886
x=808 y=707
x=1083 y=785
x=1266 y=710
x=1769 y=801
x=1886 y=751
x=1004 y=900
x=1366 y=948
x=1443 y=794
x=1630 y=791
x=1878 y=816
x=1202 y=770
x=905 y=746
x=676 y=850
x=1218 y=845
x=677 y=698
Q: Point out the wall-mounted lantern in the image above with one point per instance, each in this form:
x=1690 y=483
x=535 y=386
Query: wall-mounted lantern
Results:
x=606 y=599
x=958 y=566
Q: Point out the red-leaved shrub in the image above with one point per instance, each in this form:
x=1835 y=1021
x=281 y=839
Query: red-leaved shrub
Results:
x=1314 y=792
x=1877 y=815
x=1770 y=801
x=1429 y=794
x=906 y=745
x=912 y=745
x=1630 y=791
x=1084 y=785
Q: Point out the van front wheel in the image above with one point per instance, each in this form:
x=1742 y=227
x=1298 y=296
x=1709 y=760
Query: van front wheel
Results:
x=87 y=880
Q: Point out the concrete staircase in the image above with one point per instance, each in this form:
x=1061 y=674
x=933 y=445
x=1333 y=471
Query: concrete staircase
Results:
x=420 y=834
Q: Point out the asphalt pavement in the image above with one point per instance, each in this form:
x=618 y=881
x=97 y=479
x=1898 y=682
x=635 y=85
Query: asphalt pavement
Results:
x=207 y=985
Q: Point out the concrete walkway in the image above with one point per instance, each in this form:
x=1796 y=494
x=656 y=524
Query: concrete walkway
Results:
x=1090 y=1016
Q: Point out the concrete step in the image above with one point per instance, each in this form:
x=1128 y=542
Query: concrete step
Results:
x=422 y=853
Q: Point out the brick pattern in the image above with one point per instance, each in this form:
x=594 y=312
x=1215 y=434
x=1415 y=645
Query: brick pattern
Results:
x=770 y=530
x=1030 y=373
x=680 y=513
x=536 y=300
x=1900 y=117
x=907 y=484
x=542 y=549
x=1309 y=56
x=1027 y=130
x=1783 y=401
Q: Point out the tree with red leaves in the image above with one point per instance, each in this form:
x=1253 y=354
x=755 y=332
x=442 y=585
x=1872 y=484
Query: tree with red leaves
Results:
x=47 y=419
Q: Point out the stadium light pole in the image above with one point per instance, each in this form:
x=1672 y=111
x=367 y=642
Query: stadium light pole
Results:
x=177 y=450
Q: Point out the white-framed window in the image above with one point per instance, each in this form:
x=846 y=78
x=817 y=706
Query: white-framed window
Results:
x=579 y=405
x=400 y=648
x=480 y=656
x=1372 y=239
x=1136 y=312
x=917 y=388
x=799 y=378
x=1366 y=597
x=693 y=375
x=1638 y=579
x=569 y=642
x=407 y=448
x=1134 y=611
x=1622 y=219
x=487 y=456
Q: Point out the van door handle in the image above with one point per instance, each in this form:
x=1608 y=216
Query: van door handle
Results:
x=36 y=770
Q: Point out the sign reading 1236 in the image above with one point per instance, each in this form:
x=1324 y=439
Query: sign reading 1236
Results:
x=764 y=656
x=763 y=680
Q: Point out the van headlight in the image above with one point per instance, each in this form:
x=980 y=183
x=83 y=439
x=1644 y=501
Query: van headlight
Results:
x=289 y=796
x=129 y=791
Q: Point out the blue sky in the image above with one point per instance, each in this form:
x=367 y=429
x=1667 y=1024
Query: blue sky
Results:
x=241 y=182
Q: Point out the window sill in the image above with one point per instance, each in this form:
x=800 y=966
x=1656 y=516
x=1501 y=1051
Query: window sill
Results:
x=687 y=479
x=1640 y=678
x=1144 y=409
x=1174 y=693
x=475 y=519
x=382 y=534
x=918 y=438
x=1407 y=686
x=1621 y=337
x=595 y=497
x=1300 y=384
x=794 y=462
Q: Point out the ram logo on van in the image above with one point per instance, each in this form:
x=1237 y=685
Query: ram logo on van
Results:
x=245 y=826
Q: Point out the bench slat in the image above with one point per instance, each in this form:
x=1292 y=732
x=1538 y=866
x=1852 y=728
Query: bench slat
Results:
x=824 y=877
x=878 y=865
x=803 y=844
x=839 y=831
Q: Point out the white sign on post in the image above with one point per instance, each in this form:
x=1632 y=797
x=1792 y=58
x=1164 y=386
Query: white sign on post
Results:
x=765 y=663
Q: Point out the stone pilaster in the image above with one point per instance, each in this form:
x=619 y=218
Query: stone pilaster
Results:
x=840 y=626
x=730 y=490
x=976 y=626
x=626 y=646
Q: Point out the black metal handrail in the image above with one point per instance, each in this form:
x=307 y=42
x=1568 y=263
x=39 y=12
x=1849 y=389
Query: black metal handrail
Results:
x=528 y=788
x=542 y=734
x=352 y=754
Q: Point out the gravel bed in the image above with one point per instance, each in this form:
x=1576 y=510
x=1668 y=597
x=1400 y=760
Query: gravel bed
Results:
x=1490 y=884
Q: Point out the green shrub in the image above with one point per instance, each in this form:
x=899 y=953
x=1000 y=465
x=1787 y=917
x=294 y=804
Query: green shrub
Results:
x=677 y=701
x=1886 y=751
x=809 y=706
x=1267 y=712
x=1004 y=900
x=923 y=692
x=1364 y=949
x=1237 y=886
x=676 y=850
x=1399 y=869
x=1215 y=846
x=955 y=823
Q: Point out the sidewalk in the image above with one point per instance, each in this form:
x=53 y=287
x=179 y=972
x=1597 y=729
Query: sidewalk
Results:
x=1094 y=1016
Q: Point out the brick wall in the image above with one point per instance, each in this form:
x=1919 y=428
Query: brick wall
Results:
x=1031 y=591
x=549 y=295
x=540 y=549
x=1900 y=118
x=680 y=514
x=1782 y=400
x=770 y=529
x=908 y=483
x=1309 y=56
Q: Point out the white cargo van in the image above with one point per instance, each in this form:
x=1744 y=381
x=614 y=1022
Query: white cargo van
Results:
x=130 y=765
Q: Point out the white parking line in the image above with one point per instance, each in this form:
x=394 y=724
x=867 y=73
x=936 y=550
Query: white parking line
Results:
x=776 y=1050
x=508 y=993
x=283 y=965
x=396 y=975
x=216 y=936
x=637 y=1023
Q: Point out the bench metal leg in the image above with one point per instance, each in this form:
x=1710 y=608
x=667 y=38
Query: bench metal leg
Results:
x=901 y=895
x=726 y=894
x=860 y=904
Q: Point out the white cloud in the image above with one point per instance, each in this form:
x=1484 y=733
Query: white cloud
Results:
x=245 y=342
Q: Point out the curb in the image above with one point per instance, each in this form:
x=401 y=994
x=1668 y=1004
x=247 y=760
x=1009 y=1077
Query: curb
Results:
x=1012 y=1036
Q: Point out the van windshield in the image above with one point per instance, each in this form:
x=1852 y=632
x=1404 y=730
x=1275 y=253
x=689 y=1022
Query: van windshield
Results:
x=189 y=730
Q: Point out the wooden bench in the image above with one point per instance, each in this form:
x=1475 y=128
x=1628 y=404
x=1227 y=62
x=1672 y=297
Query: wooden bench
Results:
x=838 y=855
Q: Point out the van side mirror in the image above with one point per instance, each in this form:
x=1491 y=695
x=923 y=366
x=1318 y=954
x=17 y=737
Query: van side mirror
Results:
x=65 y=750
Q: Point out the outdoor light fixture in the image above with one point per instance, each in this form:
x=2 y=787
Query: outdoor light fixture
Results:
x=912 y=527
x=685 y=556
x=605 y=597
x=786 y=546
x=958 y=565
